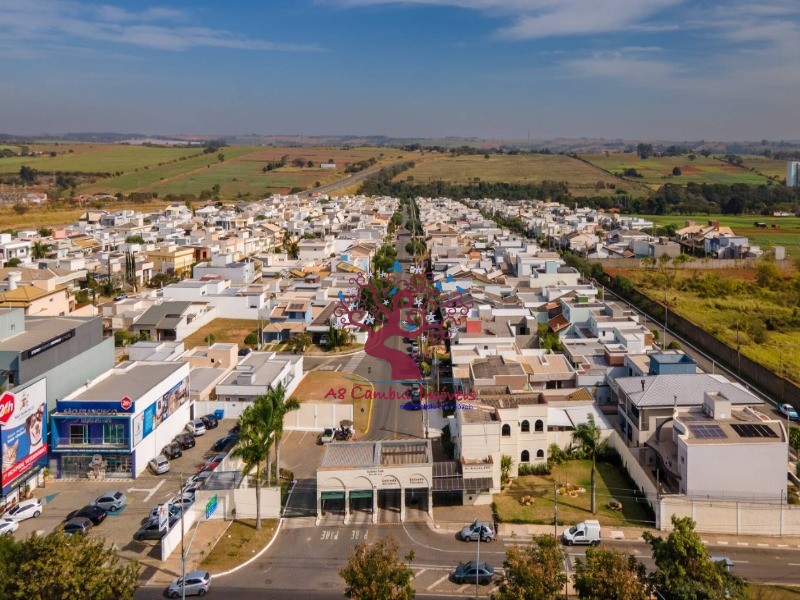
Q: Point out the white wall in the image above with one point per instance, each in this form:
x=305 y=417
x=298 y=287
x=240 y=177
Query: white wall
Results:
x=163 y=434
x=173 y=538
x=314 y=416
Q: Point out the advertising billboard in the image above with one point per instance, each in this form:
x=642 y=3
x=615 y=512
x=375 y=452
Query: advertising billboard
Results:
x=23 y=431
x=159 y=411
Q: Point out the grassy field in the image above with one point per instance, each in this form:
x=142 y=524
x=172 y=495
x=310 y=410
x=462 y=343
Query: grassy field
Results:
x=656 y=171
x=531 y=168
x=734 y=298
x=611 y=483
x=239 y=543
x=227 y=331
x=767 y=166
x=95 y=158
x=317 y=384
x=52 y=215
x=773 y=592
x=780 y=231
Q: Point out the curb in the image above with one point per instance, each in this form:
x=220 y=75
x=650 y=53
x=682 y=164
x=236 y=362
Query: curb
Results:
x=256 y=557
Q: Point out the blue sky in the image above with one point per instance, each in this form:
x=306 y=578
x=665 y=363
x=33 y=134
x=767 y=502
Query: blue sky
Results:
x=645 y=69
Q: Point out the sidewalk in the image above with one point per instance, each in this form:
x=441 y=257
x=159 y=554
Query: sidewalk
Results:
x=163 y=573
x=446 y=521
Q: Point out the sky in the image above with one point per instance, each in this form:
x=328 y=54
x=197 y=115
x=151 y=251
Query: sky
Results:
x=633 y=69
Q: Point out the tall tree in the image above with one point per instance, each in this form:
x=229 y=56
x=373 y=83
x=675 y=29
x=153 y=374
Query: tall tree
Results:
x=375 y=572
x=280 y=407
x=610 y=575
x=58 y=567
x=255 y=440
x=534 y=572
x=684 y=570
x=587 y=436
x=38 y=250
x=27 y=174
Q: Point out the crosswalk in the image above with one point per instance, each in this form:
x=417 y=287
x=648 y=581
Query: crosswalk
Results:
x=351 y=365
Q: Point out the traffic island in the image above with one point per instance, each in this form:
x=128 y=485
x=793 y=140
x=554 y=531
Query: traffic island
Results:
x=241 y=542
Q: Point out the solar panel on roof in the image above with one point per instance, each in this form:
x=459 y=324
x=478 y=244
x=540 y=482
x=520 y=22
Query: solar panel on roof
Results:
x=752 y=430
x=706 y=432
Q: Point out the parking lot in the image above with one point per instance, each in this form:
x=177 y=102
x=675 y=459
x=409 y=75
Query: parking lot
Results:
x=62 y=497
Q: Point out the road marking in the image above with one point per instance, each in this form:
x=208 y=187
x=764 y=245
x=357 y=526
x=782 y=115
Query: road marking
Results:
x=722 y=543
x=762 y=545
x=794 y=564
x=150 y=490
x=742 y=544
x=437 y=582
x=463 y=587
x=783 y=545
x=704 y=541
x=742 y=562
x=420 y=573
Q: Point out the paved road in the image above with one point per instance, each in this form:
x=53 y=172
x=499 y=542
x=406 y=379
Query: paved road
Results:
x=305 y=561
x=348 y=181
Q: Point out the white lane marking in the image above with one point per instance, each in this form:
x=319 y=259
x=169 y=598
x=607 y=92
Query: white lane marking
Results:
x=437 y=582
x=150 y=491
x=420 y=573
x=794 y=564
x=722 y=543
x=742 y=544
x=762 y=545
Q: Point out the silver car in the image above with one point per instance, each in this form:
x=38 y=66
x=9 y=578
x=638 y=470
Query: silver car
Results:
x=112 y=501
x=26 y=509
x=475 y=531
x=197 y=584
x=159 y=464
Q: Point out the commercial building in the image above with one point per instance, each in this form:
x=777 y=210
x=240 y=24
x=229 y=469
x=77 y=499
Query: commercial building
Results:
x=792 y=173
x=114 y=425
x=68 y=351
x=23 y=434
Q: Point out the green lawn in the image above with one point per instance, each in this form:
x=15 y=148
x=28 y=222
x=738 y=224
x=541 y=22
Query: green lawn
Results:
x=239 y=543
x=96 y=158
x=611 y=483
x=519 y=168
x=658 y=171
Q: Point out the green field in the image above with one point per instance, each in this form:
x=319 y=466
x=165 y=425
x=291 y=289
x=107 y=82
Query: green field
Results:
x=728 y=297
x=656 y=171
x=95 y=158
x=612 y=483
x=583 y=179
x=767 y=166
x=780 y=231
x=240 y=173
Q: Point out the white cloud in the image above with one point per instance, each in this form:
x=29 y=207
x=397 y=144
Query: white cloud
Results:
x=159 y=28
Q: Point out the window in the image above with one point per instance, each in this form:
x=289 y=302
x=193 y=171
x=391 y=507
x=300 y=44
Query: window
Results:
x=540 y=453
x=539 y=426
x=506 y=430
x=78 y=434
x=114 y=434
x=525 y=457
x=526 y=426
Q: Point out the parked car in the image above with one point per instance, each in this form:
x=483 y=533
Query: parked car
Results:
x=585 y=532
x=186 y=440
x=197 y=584
x=235 y=429
x=26 y=509
x=326 y=437
x=174 y=511
x=94 y=513
x=79 y=525
x=788 y=410
x=185 y=498
x=210 y=421
x=225 y=442
x=150 y=530
x=8 y=526
x=470 y=572
x=196 y=427
x=172 y=450
x=244 y=351
x=112 y=501
x=159 y=464
x=119 y=297
x=471 y=533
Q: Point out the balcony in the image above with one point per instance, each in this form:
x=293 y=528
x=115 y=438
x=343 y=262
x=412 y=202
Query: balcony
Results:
x=83 y=443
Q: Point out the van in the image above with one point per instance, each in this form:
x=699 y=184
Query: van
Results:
x=586 y=532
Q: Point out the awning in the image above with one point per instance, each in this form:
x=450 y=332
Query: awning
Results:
x=333 y=495
x=355 y=494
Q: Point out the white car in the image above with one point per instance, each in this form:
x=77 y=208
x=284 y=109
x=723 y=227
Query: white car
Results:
x=159 y=465
x=186 y=499
x=196 y=427
x=8 y=527
x=26 y=509
x=788 y=410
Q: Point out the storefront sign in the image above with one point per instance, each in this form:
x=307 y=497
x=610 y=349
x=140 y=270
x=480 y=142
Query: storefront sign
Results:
x=389 y=482
x=374 y=472
x=417 y=480
x=126 y=403
x=68 y=335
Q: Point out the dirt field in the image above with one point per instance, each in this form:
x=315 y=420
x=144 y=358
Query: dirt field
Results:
x=228 y=331
x=317 y=386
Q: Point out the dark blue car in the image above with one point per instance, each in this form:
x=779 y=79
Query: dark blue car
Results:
x=223 y=443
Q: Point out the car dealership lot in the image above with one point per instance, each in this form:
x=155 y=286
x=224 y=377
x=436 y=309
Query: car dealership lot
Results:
x=61 y=497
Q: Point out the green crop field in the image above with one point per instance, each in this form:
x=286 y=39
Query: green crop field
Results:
x=780 y=231
x=96 y=158
x=518 y=168
x=656 y=171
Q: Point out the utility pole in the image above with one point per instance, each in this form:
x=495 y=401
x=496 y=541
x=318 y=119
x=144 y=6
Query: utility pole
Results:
x=183 y=549
x=555 y=510
x=666 y=313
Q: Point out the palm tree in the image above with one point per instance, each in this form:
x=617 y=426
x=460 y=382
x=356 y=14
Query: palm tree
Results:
x=39 y=251
x=587 y=437
x=280 y=406
x=255 y=440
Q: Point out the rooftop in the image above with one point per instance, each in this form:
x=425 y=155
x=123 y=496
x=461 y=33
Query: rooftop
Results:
x=42 y=329
x=133 y=382
x=376 y=454
x=686 y=390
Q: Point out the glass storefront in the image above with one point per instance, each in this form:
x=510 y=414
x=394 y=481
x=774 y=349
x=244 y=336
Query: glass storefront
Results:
x=79 y=465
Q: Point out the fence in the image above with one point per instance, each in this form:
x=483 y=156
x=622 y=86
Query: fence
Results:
x=315 y=416
x=733 y=517
x=173 y=538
